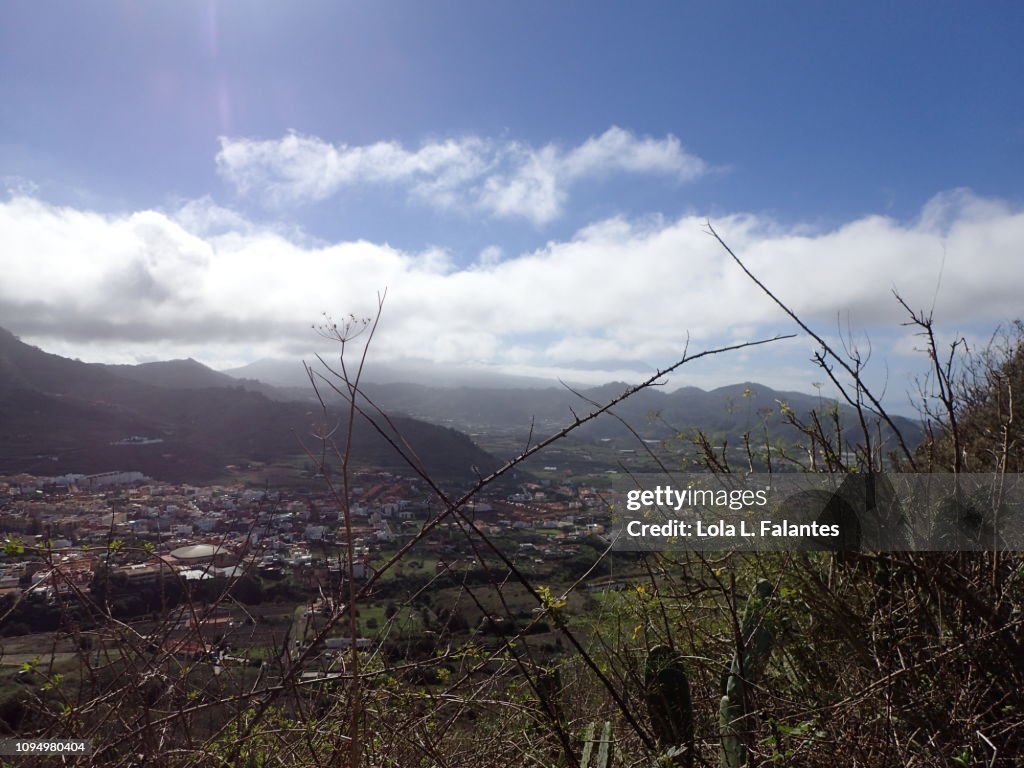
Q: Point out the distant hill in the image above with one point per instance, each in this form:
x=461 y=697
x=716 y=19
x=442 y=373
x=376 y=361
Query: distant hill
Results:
x=191 y=374
x=724 y=413
x=59 y=415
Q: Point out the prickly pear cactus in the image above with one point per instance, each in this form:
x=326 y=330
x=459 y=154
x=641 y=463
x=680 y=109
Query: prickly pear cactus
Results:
x=603 y=756
x=730 y=719
x=757 y=637
x=757 y=632
x=669 y=705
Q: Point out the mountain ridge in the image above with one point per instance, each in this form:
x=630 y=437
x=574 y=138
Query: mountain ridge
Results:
x=62 y=415
x=207 y=405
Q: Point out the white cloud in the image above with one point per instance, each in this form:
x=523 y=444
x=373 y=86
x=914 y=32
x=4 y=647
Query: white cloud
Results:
x=618 y=150
x=18 y=185
x=506 y=179
x=532 y=190
x=202 y=282
x=490 y=256
x=205 y=217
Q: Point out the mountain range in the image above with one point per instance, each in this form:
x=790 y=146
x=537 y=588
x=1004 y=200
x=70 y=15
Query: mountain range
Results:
x=59 y=415
x=486 y=401
x=180 y=421
x=514 y=405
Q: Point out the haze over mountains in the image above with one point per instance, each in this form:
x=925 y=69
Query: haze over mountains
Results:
x=290 y=375
x=487 y=402
x=59 y=415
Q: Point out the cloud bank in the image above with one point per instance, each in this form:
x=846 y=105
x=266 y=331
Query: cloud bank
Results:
x=505 y=179
x=203 y=281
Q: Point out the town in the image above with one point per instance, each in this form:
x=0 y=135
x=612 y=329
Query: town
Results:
x=209 y=568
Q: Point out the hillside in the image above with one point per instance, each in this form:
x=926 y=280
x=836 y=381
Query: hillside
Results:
x=725 y=413
x=59 y=415
x=510 y=404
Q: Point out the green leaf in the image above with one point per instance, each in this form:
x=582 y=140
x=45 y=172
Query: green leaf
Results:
x=13 y=547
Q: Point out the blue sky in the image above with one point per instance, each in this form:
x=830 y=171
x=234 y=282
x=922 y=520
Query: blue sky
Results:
x=176 y=163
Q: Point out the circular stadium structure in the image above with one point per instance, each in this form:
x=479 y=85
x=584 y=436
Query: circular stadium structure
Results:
x=200 y=554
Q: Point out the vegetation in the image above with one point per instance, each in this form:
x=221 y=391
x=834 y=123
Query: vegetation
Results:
x=794 y=658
